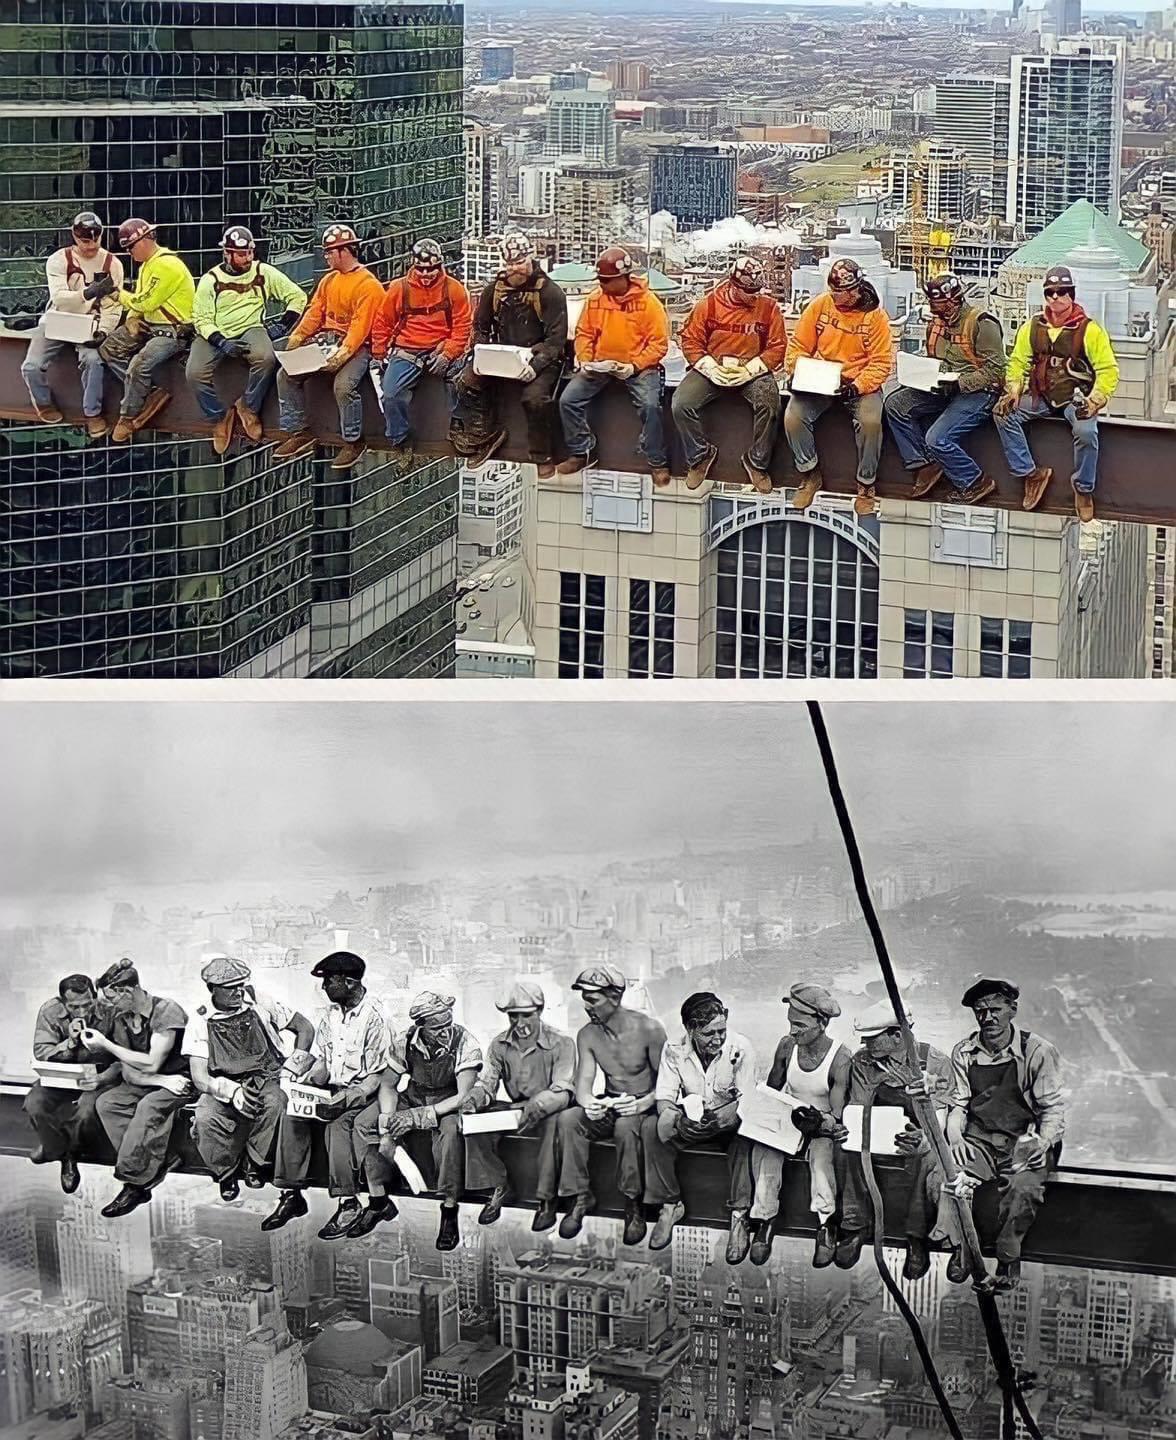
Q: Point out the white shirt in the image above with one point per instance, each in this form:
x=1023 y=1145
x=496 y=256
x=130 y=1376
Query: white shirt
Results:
x=273 y=1014
x=354 y=1043
x=65 y=289
x=731 y=1073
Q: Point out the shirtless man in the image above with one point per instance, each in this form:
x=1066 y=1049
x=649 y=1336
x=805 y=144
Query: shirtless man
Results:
x=624 y=1045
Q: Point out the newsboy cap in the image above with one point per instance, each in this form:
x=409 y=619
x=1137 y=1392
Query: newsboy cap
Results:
x=339 y=962
x=815 y=998
x=876 y=1019
x=977 y=991
x=600 y=977
x=429 y=1003
x=224 y=970
x=522 y=995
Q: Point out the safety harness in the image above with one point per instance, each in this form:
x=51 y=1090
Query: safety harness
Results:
x=408 y=310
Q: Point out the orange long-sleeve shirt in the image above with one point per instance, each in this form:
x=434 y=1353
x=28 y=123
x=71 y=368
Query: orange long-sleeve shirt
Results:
x=343 y=304
x=858 y=339
x=631 y=329
x=423 y=324
x=721 y=325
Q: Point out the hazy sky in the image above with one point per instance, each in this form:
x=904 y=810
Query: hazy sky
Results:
x=101 y=797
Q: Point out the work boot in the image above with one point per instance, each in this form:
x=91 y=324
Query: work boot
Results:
x=349 y=454
x=96 y=427
x=663 y=1231
x=1036 y=483
x=545 y=469
x=342 y=1220
x=957 y=1266
x=477 y=458
x=661 y=476
x=918 y=1258
x=571 y=1224
x=573 y=464
x=297 y=444
x=635 y=1225
x=698 y=472
x=738 y=1238
x=1008 y=1274
x=156 y=401
x=447 y=1236
x=51 y=415
x=222 y=432
x=1083 y=504
x=493 y=1207
x=70 y=1175
x=290 y=1205
x=761 y=1244
x=544 y=1217
x=37 y=1155
x=849 y=1248
x=402 y=455
x=806 y=492
x=230 y=1188
x=864 y=502
x=760 y=479
x=250 y=421
x=926 y=478
x=123 y=430
x=253 y=1175
x=378 y=1208
x=825 y=1247
x=978 y=491
x=129 y=1198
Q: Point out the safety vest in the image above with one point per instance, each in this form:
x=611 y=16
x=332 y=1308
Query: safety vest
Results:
x=964 y=338
x=761 y=328
x=502 y=290
x=1060 y=366
x=406 y=310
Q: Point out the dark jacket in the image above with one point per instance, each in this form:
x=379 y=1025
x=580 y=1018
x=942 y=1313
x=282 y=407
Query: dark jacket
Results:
x=534 y=315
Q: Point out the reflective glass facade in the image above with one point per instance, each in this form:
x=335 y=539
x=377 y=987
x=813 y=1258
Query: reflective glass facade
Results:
x=197 y=113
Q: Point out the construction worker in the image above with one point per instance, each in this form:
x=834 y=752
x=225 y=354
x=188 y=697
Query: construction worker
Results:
x=879 y=1076
x=1005 y=1124
x=847 y=326
x=814 y=1069
x=83 y=279
x=535 y=1065
x=624 y=1046
x=708 y=1071
x=338 y=318
x=735 y=340
x=1062 y=364
x=622 y=334
x=442 y=1061
x=66 y=1121
x=235 y=1055
x=156 y=326
x=143 y=1034
x=928 y=425
x=229 y=315
x=521 y=306
x=423 y=324
x=353 y=1041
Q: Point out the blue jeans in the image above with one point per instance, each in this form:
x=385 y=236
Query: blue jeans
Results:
x=1011 y=429
x=645 y=391
x=800 y=418
x=928 y=428
x=137 y=372
x=35 y=369
x=346 y=380
x=402 y=372
x=204 y=359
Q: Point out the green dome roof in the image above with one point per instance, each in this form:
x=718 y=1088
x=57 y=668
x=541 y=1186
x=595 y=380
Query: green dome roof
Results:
x=1072 y=229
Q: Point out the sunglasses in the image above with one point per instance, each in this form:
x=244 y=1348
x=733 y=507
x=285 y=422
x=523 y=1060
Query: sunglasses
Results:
x=1057 y=294
x=87 y=232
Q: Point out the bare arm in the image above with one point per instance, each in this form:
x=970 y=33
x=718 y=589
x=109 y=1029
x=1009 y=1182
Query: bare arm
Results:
x=150 y=1063
x=465 y=1083
x=655 y=1042
x=585 y=1070
x=839 y=1082
x=302 y=1030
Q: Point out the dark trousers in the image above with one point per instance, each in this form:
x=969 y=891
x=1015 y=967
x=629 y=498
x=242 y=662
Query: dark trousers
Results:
x=484 y=1167
x=696 y=392
x=139 y=1124
x=66 y=1121
x=295 y=1138
x=223 y=1135
x=576 y=1134
x=924 y=1178
x=661 y=1165
x=479 y=400
x=1019 y=1193
x=438 y=1154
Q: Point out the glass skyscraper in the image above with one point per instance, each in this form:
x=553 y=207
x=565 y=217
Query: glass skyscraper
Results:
x=159 y=558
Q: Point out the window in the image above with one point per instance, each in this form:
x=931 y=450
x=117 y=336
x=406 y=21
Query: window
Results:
x=928 y=640
x=581 y=626
x=651 y=629
x=964 y=535
x=616 y=500
x=1005 y=648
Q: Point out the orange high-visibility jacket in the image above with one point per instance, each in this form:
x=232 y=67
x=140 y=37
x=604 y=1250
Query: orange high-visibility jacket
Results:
x=422 y=317
x=721 y=325
x=344 y=305
x=632 y=328
x=858 y=339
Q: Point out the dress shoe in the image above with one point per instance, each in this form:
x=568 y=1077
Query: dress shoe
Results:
x=230 y=1188
x=572 y=1223
x=289 y=1207
x=663 y=1230
x=761 y=1244
x=635 y=1226
x=252 y=1176
x=849 y=1248
x=370 y=1216
x=447 y=1234
x=38 y=1156
x=70 y=1175
x=341 y=1221
x=544 y=1217
x=738 y=1238
x=129 y=1198
x=493 y=1207
x=957 y=1266
x=1008 y=1274
x=825 y=1247
x=918 y=1259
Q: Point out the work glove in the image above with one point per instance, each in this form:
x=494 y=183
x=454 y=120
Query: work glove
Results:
x=755 y=366
x=526 y=373
x=92 y=343
x=99 y=288
x=424 y=1117
x=437 y=363
x=910 y=1141
x=298 y=1062
x=625 y=372
x=394 y=1127
x=530 y=1115
x=280 y=327
x=244 y=1103
x=834 y=1130
x=1007 y=403
x=808 y=1120
x=230 y=349
x=1091 y=405
x=848 y=391
x=694 y=1131
x=950 y=388
x=133 y=324
x=710 y=369
x=335 y=363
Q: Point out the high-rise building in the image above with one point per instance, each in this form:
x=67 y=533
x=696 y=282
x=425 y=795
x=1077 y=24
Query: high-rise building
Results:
x=159 y=558
x=738 y=1330
x=485 y=179
x=694 y=1248
x=536 y=193
x=695 y=183
x=277 y=1257
x=1062 y=17
x=18 y=1245
x=498 y=61
x=417 y=1309
x=265 y=1383
x=939 y=169
x=491 y=517
x=100 y=1258
x=591 y=205
x=178 y=1319
x=43 y=1361
x=581 y=124
x=972 y=115
x=659 y=1376
x=628 y=77
x=1065 y=131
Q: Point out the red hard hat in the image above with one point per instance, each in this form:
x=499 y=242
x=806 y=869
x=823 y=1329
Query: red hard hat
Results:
x=131 y=231
x=614 y=262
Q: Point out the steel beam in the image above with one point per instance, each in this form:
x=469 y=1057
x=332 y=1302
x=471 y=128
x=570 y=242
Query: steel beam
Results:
x=1137 y=470
x=1099 y=1219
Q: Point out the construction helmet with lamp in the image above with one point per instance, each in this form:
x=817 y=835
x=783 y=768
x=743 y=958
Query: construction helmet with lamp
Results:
x=947 y=288
x=1059 y=277
x=748 y=273
x=131 y=231
x=340 y=237
x=845 y=275
x=614 y=264
x=86 y=225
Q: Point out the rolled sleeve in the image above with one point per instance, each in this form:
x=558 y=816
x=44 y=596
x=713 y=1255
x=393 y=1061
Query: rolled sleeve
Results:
x=1044 y=1074
x=960 y=1093
x=398 y=1054
x=277 y=1012
x=491 y=1076
x=167 y=1016
x=669 y=1076
x=195 y=1043
x=469 y=1054
x=377 y=1044
x=559 y=1093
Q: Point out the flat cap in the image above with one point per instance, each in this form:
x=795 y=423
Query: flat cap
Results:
x=977 y=991
x=815 y=998
x=877 y=1018
x=339 y=962
x=428 y=1003
x=600 y=977
x=224 y=970
x=522 y=995
x=123 y=972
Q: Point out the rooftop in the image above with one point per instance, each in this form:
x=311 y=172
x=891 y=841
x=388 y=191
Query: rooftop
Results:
x=468 y=1357
x=1073 y=228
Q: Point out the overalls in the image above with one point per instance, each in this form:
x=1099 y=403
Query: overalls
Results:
x=240 y=1049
